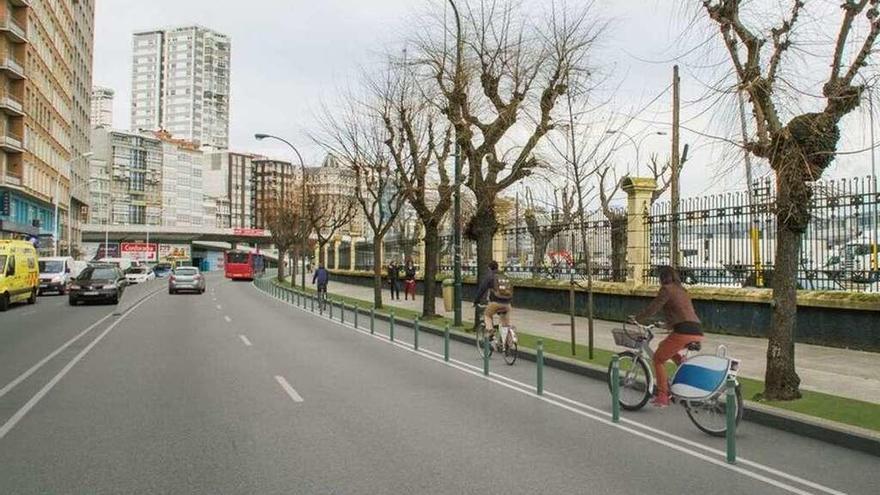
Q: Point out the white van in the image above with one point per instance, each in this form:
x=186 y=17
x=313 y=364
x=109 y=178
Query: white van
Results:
x=55 y=274
x=122 y=263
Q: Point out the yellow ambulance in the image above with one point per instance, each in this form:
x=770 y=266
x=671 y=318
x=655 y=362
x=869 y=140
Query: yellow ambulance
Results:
x=19 y=275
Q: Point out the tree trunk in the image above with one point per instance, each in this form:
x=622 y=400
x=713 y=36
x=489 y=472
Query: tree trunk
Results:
x=618 y=248
x=281 y=262
x=781 y=379
x=321 y=260
x=539 y=249
x=377 y=272
x=432 y=250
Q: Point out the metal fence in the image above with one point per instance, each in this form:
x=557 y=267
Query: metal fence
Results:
x=730 y=239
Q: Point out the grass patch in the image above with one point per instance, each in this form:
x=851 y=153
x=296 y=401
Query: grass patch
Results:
x=820 y=405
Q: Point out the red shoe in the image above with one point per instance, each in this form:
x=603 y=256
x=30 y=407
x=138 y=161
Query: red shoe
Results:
x=660 y=401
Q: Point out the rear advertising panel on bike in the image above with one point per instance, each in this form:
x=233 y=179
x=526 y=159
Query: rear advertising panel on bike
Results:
x=700 y=376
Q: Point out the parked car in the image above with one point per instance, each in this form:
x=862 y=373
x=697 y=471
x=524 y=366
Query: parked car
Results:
x=139 y=274
x=19 y=279
x=162 y=270
x=97 y=283
x=55 y=274
x=186 y=278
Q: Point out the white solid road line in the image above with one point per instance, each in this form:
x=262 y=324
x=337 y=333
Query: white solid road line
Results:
x=287 y=388
x=228 y=319
x=10 y=424
x=557 y=400
x=51 y=355
x=245 y=340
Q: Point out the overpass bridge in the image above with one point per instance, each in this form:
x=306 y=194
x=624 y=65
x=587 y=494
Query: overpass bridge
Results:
x=153 y=233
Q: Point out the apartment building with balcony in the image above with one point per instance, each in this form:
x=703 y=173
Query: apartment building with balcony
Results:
x=102 y=107
x=45 y=78
x=273 y=182
x=126 y=178
x=183 y=193
x=180 y=84
x=228 y=179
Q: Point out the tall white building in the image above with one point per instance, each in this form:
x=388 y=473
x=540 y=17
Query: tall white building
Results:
x=102 y=107
x=183 y=193
x=180 y=84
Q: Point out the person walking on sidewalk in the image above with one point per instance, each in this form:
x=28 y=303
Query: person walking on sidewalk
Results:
x=394 y=280
x=409 y=277
x=681 y=319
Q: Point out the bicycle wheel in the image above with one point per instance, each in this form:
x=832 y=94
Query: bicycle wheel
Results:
x=711 y=416
x=634 y=381
x=480 y=336
x=510 y=352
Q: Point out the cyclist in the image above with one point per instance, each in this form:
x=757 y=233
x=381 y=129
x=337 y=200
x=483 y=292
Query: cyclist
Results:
x=321 y=278
x=500 y=292
x=682 y=321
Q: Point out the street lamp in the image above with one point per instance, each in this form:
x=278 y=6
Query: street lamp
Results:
x=56 y=231
x=302 y=216
x=638 y=144
x=456 y=211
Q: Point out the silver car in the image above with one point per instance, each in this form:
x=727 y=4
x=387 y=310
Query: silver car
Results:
x=186 y=278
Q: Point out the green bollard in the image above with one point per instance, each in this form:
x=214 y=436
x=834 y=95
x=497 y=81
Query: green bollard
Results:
x=539 y=361
x=731 y=421
x=342 y=313
x=372 y=320
x=446 y=343
x=312 y=299
x=486 y=356
x=416 y=334
x=391 y=319
x=330 y=308
x=356 y=311
x=615 y=388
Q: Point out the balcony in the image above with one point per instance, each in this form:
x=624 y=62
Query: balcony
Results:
x=12 y=180
x=15 y=31
x=11 y=104
x=11 y=142
x=11 y=66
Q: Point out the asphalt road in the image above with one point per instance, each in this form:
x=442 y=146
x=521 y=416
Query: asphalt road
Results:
x=234 y=392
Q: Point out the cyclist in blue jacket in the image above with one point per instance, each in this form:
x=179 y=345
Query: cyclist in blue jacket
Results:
x=321 y=278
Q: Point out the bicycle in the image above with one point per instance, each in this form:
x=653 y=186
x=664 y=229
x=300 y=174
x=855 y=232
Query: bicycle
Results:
x=322 y=297
x=506 y=345
x=698 y=383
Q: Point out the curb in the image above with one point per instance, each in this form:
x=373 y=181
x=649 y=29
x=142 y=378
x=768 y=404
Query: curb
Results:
x=847 y=436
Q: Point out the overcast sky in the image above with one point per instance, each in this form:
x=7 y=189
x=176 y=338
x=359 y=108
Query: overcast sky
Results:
x=290 y=55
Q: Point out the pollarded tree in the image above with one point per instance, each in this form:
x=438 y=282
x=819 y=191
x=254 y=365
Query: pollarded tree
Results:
x=516 y=64
x=285 y=224
x=542 y=234
x=800 y=149
x=419 y=143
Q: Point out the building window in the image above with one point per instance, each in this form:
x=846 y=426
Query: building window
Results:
x=137 y=214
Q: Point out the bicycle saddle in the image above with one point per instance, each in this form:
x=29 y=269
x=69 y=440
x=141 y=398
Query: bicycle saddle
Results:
x=695 y=346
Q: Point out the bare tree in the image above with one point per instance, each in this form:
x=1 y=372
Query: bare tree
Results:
x=419 y=142
x=286 y=226
x=515 y=66
x=327 y=215
x=559 y=220
x=358 y=137
x=799 y=150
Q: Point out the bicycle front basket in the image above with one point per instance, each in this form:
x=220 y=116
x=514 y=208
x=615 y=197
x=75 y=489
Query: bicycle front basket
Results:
x=624 y=338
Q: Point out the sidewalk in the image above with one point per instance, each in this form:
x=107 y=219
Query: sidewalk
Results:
x=841 y=372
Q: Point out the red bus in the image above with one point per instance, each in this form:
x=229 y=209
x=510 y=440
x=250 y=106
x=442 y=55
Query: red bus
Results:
x=244 y=265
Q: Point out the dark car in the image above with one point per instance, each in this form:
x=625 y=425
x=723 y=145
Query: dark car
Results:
x=162 y=270
x=97 y=283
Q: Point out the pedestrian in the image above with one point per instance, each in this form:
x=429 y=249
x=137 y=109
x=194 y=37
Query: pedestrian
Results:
x=409 y=277
x=394 y=279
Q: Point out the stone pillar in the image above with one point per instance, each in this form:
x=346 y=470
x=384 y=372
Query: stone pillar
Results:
x=638 y=252
x=381 y=253
x=336 y=244
x=317 y=254
x=421 y=261
x=499 y=247
x=352 y=254
x=326 y=253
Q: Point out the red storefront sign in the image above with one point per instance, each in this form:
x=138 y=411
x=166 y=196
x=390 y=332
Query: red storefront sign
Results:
x=138 y=251
x=249 y=232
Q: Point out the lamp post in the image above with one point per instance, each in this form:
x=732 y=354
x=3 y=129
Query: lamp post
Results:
x=456 y=211
x=56 y=230
x=302 y=216
x=636 y=144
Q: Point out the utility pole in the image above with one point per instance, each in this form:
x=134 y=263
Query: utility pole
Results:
x=456 y=235
x=676 y=169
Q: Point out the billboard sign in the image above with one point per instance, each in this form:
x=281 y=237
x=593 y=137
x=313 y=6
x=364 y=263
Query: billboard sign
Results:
x=249 y=232
x=139 y=251
x=175 y=252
